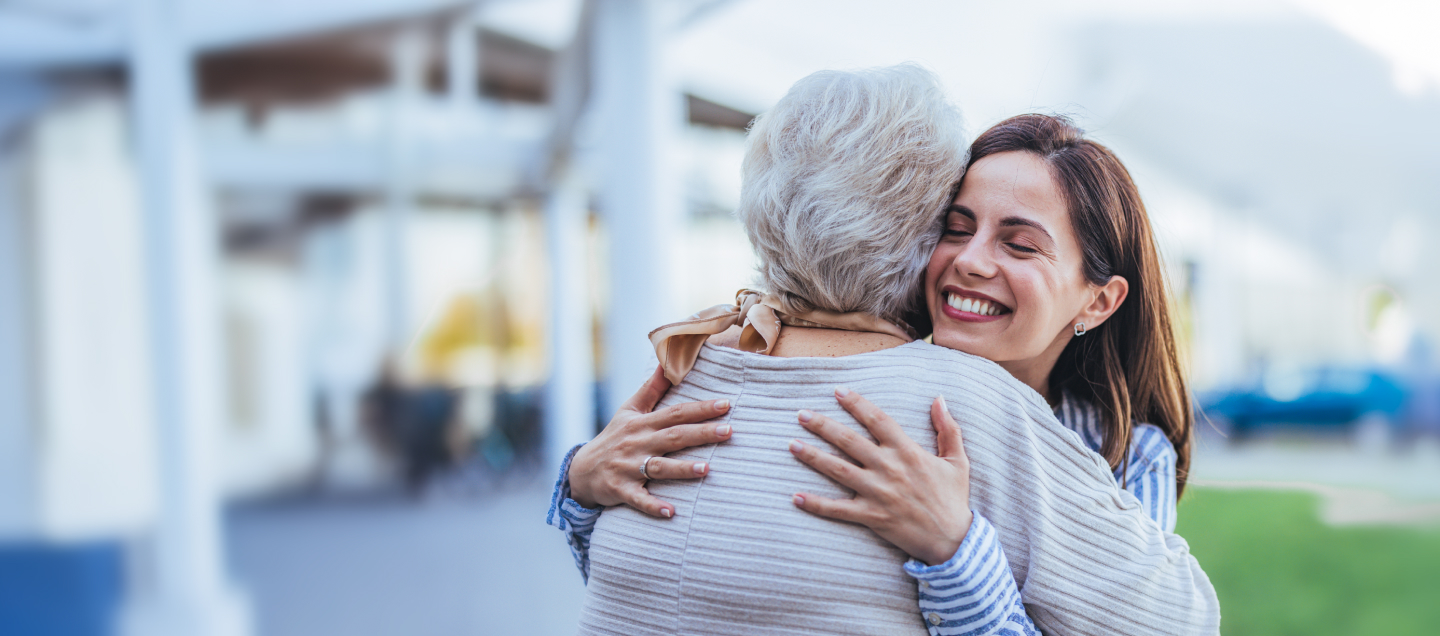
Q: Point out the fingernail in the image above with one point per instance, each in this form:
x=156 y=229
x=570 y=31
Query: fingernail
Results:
x=722 y=430
x=842 y=391
x=699 y=468
x=721 y=405
x=805 y=415
x=799 y=500
x=943 y=406
x=796 y=446
x=665 y=512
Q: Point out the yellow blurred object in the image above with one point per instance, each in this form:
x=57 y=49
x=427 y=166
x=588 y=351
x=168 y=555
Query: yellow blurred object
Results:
x=472 y=322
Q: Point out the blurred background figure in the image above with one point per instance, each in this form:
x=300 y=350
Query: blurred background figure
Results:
x=301 y=303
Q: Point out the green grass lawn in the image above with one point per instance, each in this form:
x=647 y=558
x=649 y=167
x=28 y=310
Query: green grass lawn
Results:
x=1279 y=570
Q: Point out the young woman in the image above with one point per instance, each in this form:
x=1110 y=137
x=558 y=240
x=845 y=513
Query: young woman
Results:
x=1045 y=242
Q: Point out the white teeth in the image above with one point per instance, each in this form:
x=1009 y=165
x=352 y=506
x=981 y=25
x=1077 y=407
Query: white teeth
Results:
x=972 y=305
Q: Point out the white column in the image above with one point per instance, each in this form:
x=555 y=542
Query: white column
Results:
x=462 y=65
x=570 y=396
x=182 y=589
x=18 y=490
x=407 y=68
x=639 y=116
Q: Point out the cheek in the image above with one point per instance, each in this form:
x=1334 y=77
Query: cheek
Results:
x=1035 y=294
x=939 y=259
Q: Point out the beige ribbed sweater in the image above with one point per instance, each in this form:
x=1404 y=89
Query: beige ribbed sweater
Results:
x=739 y=558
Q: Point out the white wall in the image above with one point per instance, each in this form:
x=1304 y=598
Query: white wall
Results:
x=94 y=440
x=269 y=440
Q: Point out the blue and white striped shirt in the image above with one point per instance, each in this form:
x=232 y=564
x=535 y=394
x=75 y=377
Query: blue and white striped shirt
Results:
x=974 y=593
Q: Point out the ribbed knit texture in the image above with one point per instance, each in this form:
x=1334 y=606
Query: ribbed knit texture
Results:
x=1086 y=558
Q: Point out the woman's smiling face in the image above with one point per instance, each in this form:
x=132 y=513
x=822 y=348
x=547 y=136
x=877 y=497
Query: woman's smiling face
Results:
x=1006 y=281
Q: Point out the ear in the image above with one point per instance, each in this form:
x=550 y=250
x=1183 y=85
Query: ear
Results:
x=1108 y=298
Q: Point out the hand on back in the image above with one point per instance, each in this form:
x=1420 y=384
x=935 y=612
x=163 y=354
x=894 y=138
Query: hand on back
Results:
x=918 y=501
x=606 y=471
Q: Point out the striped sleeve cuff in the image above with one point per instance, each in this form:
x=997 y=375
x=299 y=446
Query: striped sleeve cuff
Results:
x=563 y=509
x=575 y=520
x=972 y=593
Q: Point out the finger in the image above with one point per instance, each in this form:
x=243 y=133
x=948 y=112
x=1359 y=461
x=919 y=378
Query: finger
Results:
x=649 y=393
x=848 y=441
x=885 y=430
x=841 y=509
x=845 y=473
x=640 y=499
x=691 y=435
x=949 y=441
x=667 y=468
x=687 y=413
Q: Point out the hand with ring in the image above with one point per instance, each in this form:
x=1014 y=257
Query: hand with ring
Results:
x=612 y=468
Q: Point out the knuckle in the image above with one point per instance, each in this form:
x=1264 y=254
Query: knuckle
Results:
x=878 y=520
x=698 y=411
x=670 y=468
x=883 y=492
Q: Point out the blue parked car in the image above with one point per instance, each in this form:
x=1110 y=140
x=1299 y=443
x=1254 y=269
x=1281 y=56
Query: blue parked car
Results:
x=1325 y=398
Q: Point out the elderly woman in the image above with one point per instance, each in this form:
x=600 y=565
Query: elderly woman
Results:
x=848 y=186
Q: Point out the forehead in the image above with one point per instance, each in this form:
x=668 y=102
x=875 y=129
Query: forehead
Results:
x=1014 y=183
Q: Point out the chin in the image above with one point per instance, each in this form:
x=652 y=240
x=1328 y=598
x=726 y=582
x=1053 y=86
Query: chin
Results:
x=962 y=344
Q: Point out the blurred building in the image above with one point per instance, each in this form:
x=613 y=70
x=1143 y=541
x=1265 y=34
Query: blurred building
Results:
x=227 y=227
x=224 y=224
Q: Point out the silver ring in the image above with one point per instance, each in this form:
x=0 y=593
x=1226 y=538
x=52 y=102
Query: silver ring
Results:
x=643 y=472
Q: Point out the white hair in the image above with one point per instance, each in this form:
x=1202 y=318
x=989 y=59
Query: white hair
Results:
x=845 y=185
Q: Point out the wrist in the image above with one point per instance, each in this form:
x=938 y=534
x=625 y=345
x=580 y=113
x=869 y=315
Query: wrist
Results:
x=579 y=490
x=949 y=543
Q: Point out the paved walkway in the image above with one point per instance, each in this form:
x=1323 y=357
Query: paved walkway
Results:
x=1360 y=483
x=388 y=566
x=456 y=565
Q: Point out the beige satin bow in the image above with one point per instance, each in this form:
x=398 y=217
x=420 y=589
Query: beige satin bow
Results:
x=759 y=316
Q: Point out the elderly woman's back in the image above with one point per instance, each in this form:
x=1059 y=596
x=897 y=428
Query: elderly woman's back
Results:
x=739 y=558
x=711 y=568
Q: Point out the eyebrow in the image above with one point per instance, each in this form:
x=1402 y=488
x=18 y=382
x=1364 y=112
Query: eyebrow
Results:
x=1009 y=221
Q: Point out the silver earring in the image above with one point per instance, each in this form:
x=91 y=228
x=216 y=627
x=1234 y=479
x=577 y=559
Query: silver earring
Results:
x=1079 y=329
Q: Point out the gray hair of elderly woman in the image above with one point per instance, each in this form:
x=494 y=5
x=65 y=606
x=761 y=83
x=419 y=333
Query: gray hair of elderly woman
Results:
x=845 y=185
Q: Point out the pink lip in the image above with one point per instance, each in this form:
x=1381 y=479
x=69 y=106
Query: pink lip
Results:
x=965 y=316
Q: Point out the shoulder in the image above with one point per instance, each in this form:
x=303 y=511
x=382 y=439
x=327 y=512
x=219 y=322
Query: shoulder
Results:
x=1148 y=444
x=1149 y=447
x=940 y=359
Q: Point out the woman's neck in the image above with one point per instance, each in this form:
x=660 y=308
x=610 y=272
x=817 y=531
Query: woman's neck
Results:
x=808 y=342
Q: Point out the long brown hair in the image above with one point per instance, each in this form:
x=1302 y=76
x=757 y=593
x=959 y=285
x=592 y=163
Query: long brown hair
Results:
x=1128 y=367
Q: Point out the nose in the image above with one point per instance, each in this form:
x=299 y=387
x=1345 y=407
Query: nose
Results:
x=977 y=259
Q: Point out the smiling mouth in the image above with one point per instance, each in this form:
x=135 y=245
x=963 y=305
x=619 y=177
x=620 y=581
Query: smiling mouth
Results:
x=977 y=306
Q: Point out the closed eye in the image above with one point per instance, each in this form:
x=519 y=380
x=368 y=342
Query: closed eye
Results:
x=1023 y=249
